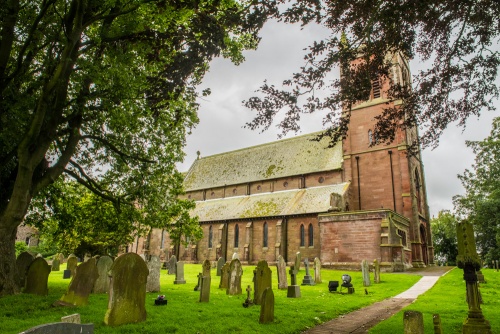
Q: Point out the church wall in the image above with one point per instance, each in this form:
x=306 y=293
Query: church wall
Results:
x=259 y=252
x=329 y=178
x=231 y=244
x=293 y=238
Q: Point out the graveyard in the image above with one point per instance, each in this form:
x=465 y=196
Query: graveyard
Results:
x=193 y=307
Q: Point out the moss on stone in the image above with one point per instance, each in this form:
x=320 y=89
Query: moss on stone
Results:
x=261 y=209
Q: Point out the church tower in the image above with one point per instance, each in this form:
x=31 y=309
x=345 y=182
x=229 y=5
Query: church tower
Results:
x=385 y=176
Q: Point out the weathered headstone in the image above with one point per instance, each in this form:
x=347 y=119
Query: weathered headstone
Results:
x=61 y=327
x=308 y=280
x=23 y=262
x=317 y=271
x=198 y=285
x=71 y=264
x=281 y=270
x=81 y=285
x=468 y=260
x=171 y=265
x=293 y=288
x=297 y=261
x=179 y=273
x=224 y=278
x=235 y=256
x=37 y=277
x=101 y=284
x=206 y=268
x=87 y=257
x=72 y=318
x=436 y=321
x=235 y=273
x=376 y=271
x=413 y=322
x=127 y=291
x=220 y=264
x=248 y=302
x=365 y=269
x=205 y=289
x=262 y=280
x=267 y=307
x=154 y=267
x=56 y=264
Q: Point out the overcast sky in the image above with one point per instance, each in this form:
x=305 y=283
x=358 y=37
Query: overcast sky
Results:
x=280 y=53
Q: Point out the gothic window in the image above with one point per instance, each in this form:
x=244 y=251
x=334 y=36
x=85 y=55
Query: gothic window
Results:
x=210 y=236
x=418 y=191
x=236 y=236
x=265 y=235
x=311 y=235
x=302 y=236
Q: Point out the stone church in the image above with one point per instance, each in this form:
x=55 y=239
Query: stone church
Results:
x=354 y=201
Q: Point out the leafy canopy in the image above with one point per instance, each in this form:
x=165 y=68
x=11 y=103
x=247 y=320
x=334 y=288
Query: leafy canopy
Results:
x=444 y=237
x=458 y=39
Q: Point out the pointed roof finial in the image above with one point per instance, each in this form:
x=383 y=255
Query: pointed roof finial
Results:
x=198 y=155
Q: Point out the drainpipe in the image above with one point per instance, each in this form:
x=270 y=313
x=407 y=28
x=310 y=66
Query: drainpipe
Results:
x=359 y=183
x=392 y=180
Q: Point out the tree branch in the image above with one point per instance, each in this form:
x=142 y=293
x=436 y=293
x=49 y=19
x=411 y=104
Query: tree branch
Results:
x=116 y=150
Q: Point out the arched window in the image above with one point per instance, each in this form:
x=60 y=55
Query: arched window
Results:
x=210 y=236
x=311 y=235
x=370 y=137
x=302 y=236
x=418 y=188
x=265 y=234
x=236 y=236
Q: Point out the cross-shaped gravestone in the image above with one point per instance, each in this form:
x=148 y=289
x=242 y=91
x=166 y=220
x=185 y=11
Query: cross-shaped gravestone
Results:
x=198 y=285
x=248 y=301
x=293 y=289
x=308 y=280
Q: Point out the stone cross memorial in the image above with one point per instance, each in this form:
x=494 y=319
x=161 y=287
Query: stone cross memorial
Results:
x=262 y=276
x=308 y=280
x=37 y=277
x=81 y=284
x=154 y=267
x=281 y=270
x=235 y=273
x=293 y=289
x=101 y=284
x=127 y=292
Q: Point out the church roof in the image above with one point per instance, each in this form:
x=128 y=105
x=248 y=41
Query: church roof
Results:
x=282 y=158
x=281 y=203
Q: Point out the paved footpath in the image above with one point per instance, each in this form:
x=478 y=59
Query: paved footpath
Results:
x=362 y=320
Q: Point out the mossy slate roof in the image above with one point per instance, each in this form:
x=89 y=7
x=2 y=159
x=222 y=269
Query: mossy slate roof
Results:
x=281 y=203
x=282 y=158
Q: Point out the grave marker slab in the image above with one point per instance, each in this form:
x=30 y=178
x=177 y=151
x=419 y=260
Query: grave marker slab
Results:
x=72 y=318
x=235 y=273
x=297 y=261
x=376 y=270
x=71 y=264
x=205 y=289
x=206 y=268
x=61 y=328
x=179 y=273
x=413 y=322
x=262 y=280
x=436 y=321
x=317 y=270
x=56 y=264
x=235 y=256
x=267 y=307
x=171 y=265
x=154 y=267
x=101 y=284
x=82 y=283
x=281 y=270
x=224 y=278
x=23 y=262
x=220 y=264
x=127 y=291
x=365 y=269
x=37 y=277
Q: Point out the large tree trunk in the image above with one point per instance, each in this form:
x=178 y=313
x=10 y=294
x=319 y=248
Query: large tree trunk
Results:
x=8 y=269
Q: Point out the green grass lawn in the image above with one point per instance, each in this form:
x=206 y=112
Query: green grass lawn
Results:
x=184 y=314
x=447 y=298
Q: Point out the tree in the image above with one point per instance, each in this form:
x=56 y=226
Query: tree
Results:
x=458 y=38
x=444 y=235
x=481 y=203
x=104 y=92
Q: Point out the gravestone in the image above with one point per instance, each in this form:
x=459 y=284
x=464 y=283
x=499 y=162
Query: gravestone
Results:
x=61 y=328
x=413 y=322
x=205 y=289
x=179 y=273
x=23 y=262
x=267 y=307
x=436 y=321
x=37 y=277
x=293 y=288
x=81 y=284
x=198 y=285
x=220 y=264
x=101 y=284
x=224 y=278
x=71 y=264
x=235 y=256
x=235 y=273
x=317 y=271
x=297 y=261
x=365 y=269
x=127 y=290
x=72 y=318
x=308 y=280
x=281 y=270
x=376 y=271
x=468 y=260
x=171 y=266
x=87 y=257
x=248 y=302
x=154 y=267
x=61 y=258
x=56 y=264
x=262 y=279
x=206 y=268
